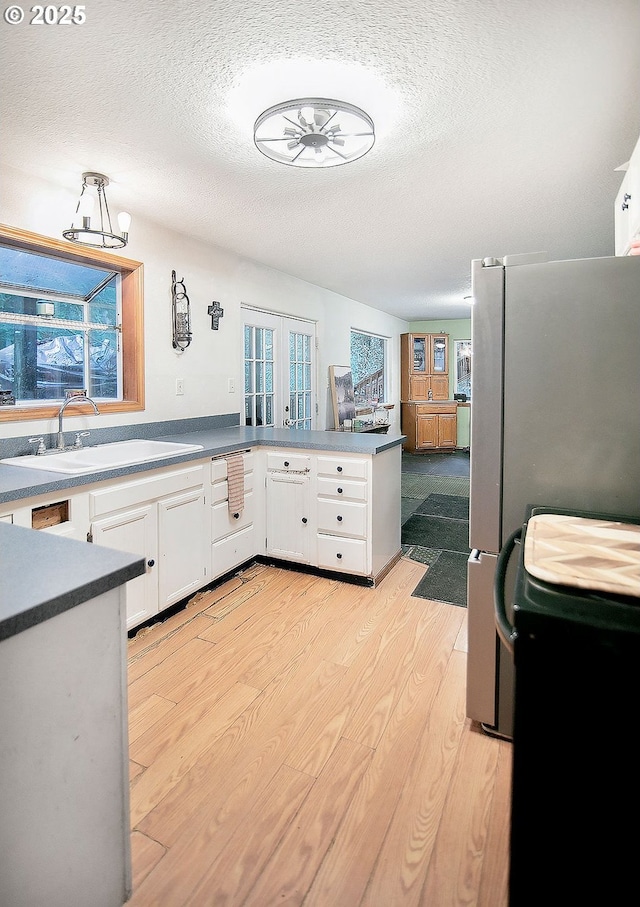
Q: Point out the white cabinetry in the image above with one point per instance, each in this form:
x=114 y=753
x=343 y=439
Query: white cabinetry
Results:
x=163 y=519
x=289 y=523
x=233 y=534
x=135 y=531
x=343 y=495
x=627 y=206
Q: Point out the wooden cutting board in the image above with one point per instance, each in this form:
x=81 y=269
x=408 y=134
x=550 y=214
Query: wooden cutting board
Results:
x=587 y=553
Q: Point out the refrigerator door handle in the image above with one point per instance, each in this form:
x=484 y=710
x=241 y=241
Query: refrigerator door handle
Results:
x=507 y=633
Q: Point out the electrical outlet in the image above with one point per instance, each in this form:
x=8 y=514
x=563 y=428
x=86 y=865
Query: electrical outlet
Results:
x=179 y=386
x=232 y=385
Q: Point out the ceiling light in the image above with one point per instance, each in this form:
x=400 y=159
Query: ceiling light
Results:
x=82 y=231
x=306 y=133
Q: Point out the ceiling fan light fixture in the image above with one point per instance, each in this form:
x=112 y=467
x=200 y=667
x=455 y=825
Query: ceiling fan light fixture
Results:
x=320 y=140
x=86 y=232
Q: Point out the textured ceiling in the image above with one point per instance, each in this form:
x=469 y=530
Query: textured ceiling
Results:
x=499 y=125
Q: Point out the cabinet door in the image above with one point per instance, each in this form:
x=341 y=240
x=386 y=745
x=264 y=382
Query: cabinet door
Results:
x=135 y=531
x=183 y=544
x=419 y=387
x=419 y=353
x=439 y=387
x=438 y=353
x=288 y=516
x=426 y=431
x=447 y=430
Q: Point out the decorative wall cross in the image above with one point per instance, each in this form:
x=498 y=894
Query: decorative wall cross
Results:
x=216 y=311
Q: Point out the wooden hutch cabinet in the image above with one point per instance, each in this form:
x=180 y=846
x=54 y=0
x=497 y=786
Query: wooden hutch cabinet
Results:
x=429 y=417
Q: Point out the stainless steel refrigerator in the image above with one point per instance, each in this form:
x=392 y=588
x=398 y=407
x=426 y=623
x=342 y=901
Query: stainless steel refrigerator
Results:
x=555 y=422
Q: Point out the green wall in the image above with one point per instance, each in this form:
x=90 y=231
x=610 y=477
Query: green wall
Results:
x=457 y=329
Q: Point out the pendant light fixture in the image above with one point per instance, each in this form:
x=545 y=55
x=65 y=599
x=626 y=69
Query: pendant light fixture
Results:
x=314 y=132
x=97 y=232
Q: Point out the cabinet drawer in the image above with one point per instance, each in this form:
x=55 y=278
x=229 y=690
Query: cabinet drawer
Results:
x=342 y=518
x=137 y=491
x=219 y=467
x=220 y=491
x=342 y=490
x=342 y=467
x=435 y=409
x=288 y=462
x=232 y=550
x=224 y=523
x=348 y=555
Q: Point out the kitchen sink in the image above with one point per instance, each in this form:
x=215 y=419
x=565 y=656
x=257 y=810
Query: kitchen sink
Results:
x=103 y=456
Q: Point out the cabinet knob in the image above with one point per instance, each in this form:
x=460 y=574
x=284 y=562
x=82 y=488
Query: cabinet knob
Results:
x=286 y=462
x=339 y=468
x=304 y=519
x=150 y=562
x=339 y=556
x=236 y=516
x=339 y=519
x=339 y=490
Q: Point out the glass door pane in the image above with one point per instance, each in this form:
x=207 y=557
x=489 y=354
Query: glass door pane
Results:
x=258 y=375
x=419 y=354
x=438 y=355
x=300 y=387
x=279 y=371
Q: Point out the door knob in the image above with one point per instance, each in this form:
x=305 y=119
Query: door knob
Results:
x=150 y=562
x=304 y=519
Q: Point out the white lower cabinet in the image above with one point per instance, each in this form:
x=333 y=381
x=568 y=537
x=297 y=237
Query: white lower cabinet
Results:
x=182 y=546
x=289 y=526
x=333 y=511
x=134 y=531
x=343 y=508
x=233 y=532
x=161 y=517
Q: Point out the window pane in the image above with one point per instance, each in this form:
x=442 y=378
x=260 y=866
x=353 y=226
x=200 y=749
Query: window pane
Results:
x=259 y=372
x=248 y=346
x=268 y=345
x=269 y=377
x=248 y=419
x=103 y=364
x=368 y=364
x=259 y=419
x=248 y=383
x=259 y=333
x=20 y=268
x=269 y=413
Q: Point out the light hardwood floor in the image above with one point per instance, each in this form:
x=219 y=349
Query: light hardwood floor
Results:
x=301 y=741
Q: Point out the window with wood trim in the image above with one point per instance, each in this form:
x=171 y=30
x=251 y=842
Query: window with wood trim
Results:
x=70 y=318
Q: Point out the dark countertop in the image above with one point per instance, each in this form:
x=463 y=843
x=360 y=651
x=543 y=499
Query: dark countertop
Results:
x=45 y=574
x=17 y=483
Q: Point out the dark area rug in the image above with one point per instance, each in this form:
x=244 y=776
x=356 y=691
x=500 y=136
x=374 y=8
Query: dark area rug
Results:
x=453 y=506
x=445 y=580
x=455 y=463
x=436 y=532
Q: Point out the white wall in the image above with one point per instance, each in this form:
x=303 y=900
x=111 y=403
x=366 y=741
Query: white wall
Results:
x=210 y=273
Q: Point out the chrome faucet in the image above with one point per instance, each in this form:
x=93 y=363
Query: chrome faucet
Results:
x=72 y=397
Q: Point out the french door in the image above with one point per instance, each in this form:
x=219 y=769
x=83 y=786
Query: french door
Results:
x=279 y=370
